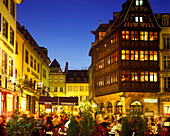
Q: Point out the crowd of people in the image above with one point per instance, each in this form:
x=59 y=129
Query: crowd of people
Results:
x=107 y=125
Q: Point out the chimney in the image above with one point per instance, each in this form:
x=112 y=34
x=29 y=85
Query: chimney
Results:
x=66 y=68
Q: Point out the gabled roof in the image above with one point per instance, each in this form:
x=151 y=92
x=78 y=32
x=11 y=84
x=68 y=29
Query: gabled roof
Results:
x=121 y=18
x=55 y=64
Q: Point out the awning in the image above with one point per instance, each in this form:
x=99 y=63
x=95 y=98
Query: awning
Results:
x=45 y=100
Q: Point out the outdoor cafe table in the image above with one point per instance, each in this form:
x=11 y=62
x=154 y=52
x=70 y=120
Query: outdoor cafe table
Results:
x=111 y=134
x=49 y=133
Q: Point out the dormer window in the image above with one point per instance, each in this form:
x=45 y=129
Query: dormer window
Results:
x=139 y=2
x=165 y=22
x=138 y=19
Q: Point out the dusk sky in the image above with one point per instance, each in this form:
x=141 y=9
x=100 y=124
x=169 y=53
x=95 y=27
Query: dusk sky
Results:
x=63 y=26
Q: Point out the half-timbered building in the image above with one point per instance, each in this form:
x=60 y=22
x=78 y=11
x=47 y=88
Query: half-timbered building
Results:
x=124 y=71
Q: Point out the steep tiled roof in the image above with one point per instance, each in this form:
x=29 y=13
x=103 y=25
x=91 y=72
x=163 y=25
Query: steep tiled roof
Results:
x=55 y=63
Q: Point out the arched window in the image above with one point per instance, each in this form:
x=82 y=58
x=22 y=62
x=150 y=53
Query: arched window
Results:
x=102 y=108
x=118 y=107
x=136 y=106
x=109 y=108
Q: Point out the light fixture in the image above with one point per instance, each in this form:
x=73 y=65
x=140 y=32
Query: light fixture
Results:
x=122 y=96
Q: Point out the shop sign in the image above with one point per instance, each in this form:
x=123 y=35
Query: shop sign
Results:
x=150 y=100
x=149 y=113
x=166 y=100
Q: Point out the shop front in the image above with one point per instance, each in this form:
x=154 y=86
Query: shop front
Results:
x=165 y=104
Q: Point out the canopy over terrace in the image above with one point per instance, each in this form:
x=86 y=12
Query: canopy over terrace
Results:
x=45 y=100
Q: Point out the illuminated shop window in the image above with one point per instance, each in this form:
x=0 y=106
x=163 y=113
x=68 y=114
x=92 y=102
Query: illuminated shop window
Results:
x=134 y=55
x=153 y=76
x=101 y=35
x=119 y=108
x=125 y=76
x=134 y=76
x=143 y=35
x=144 y=76
x=167 y=110
x=125 y=54
x=109 y=108
x=138 y=19
x=125 y=35
x=153 y=55
x=139 y=2
x=136 y=106
x=10 y=66
x=143 y=55
x=153 y=36
x=134 y=35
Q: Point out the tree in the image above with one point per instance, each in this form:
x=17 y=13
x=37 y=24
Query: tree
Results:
x=73 y=127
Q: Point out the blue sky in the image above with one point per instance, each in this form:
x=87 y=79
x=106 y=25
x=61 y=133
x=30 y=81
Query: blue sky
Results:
x=63 y=26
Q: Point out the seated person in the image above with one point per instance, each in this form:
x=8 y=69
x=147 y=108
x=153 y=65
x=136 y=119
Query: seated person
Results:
x=117 y=127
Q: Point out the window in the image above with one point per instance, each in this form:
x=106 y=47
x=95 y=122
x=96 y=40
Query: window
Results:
x=101 y=64
x=100 y=81
x=81 y=98
x=125 y=35
x=81 y=88
x=5 y=28
x=113 y=57
x=138 y=19
x=153 y=76
x=44 y=73
x=31 y=61
x=144 y=76
x=75 y=88
x=61 y=89
x=134 y=76
x=10 y=66
x=0 y=79
x=134 y=55
x=55 y=89
x=125 y=76
x=166 y=42
x=5 y=3
x=107 y=61
x=4 y=62
x=167 y=83
x=143 y=35
x=69 y=88
x=26 y=56
x=125 y=54
x=143 y=55
x=11 y=36
x=55 y=79
x=139 y=2
x=16 y=73
x=35 y=64
x=153 y=36
x=50 y=79
x=107 y=79
x=113 y=77
x=165 y=22
x=134 y=35
x=16 y=48
x=101 y=35
x=12 y=8
x=87 y=98
x=61 y=79
x=153 y=55
x=38 y=69
x=166 y=62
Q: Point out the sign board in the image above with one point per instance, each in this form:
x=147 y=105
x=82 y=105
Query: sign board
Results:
x=45 y=100
x=150 y=100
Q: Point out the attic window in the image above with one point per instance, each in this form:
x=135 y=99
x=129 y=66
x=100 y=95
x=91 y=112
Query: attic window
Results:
x=139 y=2
x=138 y=19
